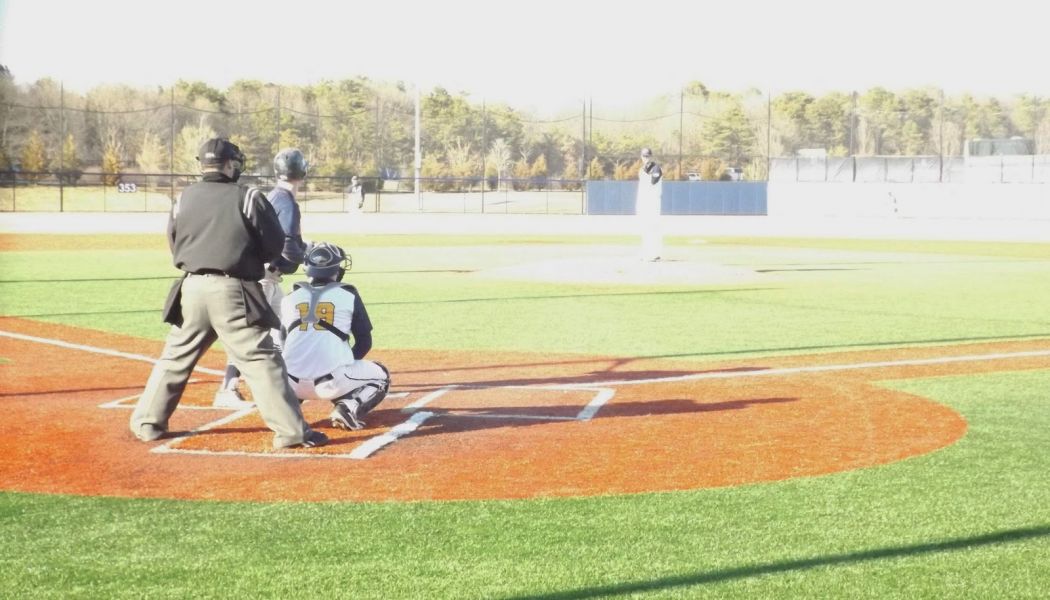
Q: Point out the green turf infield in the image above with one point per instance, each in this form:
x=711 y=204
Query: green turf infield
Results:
x=969 y=521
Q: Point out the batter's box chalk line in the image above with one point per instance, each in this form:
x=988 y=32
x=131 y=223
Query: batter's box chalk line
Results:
x=416 y=419
x=602 y=394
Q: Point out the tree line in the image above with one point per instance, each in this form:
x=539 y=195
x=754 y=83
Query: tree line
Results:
x=362 y=127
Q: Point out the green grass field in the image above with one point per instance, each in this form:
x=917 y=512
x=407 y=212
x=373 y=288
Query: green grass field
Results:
x=99 y=198
x=83 y=199
x=969 y=521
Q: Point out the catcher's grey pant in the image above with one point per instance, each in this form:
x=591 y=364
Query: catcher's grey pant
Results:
x=361 y=375
x=213 y=308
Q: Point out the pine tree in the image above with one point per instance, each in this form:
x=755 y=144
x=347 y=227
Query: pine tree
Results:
x=187 y=144
x=152 y=159
x=34 y=157
x=596 y=170
x=70 y=162
x=111 y=161
x=571 y=176
x=434 y=169
x=521 y=174
x=538 y=172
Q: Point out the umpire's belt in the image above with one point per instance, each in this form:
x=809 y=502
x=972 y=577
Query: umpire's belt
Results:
x=321 y=379
x=214 y=273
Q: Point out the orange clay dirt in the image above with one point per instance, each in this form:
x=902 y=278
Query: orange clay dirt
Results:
x=515 y=427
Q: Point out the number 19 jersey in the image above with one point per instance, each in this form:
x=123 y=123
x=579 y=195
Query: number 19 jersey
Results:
x=318 y=321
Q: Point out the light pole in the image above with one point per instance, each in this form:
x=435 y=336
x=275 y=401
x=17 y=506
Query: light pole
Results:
x=419 y=154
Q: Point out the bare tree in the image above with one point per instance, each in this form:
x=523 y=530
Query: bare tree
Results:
x=499 y=158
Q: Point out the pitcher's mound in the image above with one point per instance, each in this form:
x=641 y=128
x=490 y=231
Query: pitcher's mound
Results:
x=626 y=269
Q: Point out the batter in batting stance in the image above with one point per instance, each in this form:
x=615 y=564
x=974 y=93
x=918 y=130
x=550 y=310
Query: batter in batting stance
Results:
x=221 y=234
x=647 y=207
x=318 y=318
x=290 y=168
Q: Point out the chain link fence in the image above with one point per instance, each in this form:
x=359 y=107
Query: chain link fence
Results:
x=912 y=169
x=137 y=192
x=117 y=147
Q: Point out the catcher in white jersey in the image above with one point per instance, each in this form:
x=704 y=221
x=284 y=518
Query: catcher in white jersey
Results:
x=318 y=318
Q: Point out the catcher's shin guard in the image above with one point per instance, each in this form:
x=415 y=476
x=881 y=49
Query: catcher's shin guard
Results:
x=376 y=391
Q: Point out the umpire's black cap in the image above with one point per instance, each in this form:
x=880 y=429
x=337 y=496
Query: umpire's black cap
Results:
x=216 y=151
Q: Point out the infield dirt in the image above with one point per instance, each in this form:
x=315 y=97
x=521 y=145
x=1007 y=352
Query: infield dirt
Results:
x=500 y=425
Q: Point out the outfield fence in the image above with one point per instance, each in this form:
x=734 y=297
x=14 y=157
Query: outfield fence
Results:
x=98 y=192
x=370 y=129
x=912 y=169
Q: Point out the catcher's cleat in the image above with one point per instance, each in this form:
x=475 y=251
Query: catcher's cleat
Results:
x=231 y=399
x=345 y=415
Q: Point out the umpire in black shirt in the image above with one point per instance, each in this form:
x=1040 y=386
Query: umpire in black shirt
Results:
x=221 y=234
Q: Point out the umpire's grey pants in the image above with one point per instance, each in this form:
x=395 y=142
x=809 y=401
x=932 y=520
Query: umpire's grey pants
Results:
x=213 y=308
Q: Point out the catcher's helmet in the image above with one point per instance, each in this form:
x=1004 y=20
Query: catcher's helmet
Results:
x=290 y=164
x=327 y=261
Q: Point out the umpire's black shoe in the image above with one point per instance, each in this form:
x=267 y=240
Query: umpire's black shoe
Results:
x=314 y=439
x=345 y=415
x=149 y=432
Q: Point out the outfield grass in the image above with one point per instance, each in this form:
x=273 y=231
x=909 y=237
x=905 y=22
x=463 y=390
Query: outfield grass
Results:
x=969 y=521
x=808 y=300
x=83 y=199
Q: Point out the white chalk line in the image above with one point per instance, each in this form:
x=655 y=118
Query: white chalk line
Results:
x=601 y=397
x=97 y=350
x=304 y=453
x=413 y=423
x=430 y=398
x=614 y=382
x=360 y=452
x=810 y=369
x=119 y=403
x=374 y=444
x=167 y=446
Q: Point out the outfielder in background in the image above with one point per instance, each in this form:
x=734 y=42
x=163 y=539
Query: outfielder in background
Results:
x=318 y=318
x=356 y=192
x=647 y=206
x=289 y=165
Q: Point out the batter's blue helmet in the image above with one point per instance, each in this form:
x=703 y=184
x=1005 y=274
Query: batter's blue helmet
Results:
x=290 y=164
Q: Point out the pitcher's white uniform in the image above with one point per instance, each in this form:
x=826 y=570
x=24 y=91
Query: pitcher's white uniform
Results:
x=318 y=321
x=647 y=207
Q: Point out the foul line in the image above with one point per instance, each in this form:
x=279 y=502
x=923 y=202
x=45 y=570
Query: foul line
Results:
x=595 y=384
x=97 y=350
x=293 y=453
x=813 y=369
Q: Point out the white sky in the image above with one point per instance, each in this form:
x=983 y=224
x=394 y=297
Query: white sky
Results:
x=543 y=54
